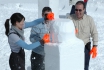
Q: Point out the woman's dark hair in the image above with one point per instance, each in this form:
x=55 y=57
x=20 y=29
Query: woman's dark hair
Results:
x=16 y=17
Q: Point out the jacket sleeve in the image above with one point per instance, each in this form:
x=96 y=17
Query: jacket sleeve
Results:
x=94 y=32
x=33 y=23
x=34 y=37
x=24 y=45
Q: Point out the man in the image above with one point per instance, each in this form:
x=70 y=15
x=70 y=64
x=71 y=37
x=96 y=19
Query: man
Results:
x=73 y=2
x=85 y=27
x=37 y=32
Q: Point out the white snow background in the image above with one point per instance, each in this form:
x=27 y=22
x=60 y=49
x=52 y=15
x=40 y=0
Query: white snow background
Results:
x=95 y=8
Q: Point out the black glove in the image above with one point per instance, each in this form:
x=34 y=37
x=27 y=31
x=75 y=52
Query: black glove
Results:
x=42 y=42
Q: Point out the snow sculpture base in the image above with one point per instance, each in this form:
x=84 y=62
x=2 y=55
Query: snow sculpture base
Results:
x=67 y=52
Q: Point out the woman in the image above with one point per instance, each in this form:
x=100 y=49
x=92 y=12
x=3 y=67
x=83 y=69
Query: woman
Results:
x=16 y=39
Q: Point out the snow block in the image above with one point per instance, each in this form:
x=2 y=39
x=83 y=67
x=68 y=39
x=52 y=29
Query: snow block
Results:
x=66 y=51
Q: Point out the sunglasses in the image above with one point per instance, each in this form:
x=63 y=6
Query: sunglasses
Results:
x=78 y=10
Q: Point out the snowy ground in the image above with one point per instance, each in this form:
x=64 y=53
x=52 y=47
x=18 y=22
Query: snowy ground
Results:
x=95 y=8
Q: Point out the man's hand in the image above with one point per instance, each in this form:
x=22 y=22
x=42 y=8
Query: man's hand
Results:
x=93 y=52
x=42 y=42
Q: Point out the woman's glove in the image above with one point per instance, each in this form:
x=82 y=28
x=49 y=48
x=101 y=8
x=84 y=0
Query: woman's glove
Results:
x=49 y=16
x=46 y=38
